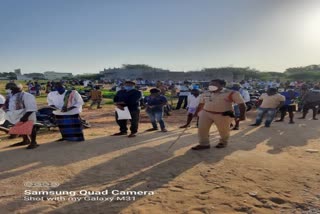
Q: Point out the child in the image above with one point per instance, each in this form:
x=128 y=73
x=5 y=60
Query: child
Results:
x=193 y=103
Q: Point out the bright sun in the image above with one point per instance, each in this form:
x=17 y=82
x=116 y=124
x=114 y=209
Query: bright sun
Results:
x=311 y=26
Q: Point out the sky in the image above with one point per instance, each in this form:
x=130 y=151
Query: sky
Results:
x=86 y=36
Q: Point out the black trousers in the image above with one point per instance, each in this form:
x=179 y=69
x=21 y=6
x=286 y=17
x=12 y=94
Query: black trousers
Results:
x=135 y=115
x=180 y=101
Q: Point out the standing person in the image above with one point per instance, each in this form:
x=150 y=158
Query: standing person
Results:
x=21 y=107
x=216 y=107
x=155 y=108
x=69 y=105
x=288 y=106
x=48 y=87
x=271 y=101
x=183 y=96
x=193 y=103
x=246 y=97
x=37 y=87
x=32 y=89
x=311 y=100
x=128 y=97
x=96 y=97
x=2 y=112
x=119 y=87
x=173 y=93
x=163 y=89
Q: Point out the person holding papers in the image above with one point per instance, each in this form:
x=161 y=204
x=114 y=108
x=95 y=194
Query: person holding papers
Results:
x=69 y=105
x=128 y=97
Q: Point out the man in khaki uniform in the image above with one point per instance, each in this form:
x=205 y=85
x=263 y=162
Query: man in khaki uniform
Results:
x=216 y=107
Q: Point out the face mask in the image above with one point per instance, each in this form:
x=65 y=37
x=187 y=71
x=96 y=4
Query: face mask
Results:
x=213 y=88
x=128 y=88
x=8 y=91
x=61 y=90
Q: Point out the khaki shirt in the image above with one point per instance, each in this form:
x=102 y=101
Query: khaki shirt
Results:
x=95 y=95
x=271 y=101
x=220 y=101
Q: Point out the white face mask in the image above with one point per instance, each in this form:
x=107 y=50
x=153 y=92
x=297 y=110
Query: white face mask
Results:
x=213 y=88
x=8 y=91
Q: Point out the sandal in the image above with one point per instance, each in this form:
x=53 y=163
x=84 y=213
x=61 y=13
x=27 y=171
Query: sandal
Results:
x=200 y=147
x=19 y=144
x=32 y=146
x=132 y=135
x=184 y=126
x=221 y=145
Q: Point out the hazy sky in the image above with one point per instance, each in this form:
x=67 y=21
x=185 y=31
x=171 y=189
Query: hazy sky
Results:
x=85 y=36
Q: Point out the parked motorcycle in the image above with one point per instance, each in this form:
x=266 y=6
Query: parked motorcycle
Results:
x=254 y=99
x=46 y=118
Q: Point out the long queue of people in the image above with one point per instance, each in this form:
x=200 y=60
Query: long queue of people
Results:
x=217 y=104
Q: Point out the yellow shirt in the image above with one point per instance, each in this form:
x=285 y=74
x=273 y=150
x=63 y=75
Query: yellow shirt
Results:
x=220 y=101
x=272 y=101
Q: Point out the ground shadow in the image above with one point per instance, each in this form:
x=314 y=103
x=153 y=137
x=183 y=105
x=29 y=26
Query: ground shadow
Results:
x=149 y=168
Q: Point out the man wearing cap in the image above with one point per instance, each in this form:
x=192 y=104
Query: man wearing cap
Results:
x=216 y=107
x=21 y=106
x=128 y=97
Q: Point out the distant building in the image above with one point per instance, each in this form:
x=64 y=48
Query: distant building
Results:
x=35 y=76
x=20 y=76
x=52 y=75
x=159 y=74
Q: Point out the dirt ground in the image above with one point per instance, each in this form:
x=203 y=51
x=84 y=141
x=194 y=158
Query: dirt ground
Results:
x=263 y=170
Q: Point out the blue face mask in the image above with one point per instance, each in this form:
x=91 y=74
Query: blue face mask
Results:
x=61 y=90
x=128 y=88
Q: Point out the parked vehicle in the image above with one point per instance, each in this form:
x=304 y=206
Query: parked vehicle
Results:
x=254 y=99
x=46 y=118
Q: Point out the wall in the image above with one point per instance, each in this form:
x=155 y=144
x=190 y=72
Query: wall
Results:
x=165 y=75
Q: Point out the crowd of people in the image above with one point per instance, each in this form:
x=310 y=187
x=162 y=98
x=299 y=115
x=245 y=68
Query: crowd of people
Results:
x=216 y=102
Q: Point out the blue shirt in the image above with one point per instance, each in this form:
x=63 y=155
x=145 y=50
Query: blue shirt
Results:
x=289 y=97
x=130 y=98
x=156 y=102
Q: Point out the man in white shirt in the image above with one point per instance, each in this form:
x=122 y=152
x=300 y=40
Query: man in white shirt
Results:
x=246 y=97
x=193 y=103
x=183 y=96
x=2 y=112
x=69 y=105
x=21 y=106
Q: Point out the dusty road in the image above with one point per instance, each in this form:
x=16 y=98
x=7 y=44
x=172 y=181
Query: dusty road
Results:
x=263 y=170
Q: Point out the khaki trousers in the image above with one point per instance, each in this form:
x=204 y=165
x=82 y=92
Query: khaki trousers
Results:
x=222 y=123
